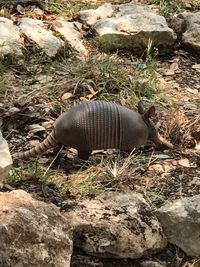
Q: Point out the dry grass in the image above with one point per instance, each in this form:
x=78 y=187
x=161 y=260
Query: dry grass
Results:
x=99 y=77
x=180 y=129
x=112 y=172
x=192 y=263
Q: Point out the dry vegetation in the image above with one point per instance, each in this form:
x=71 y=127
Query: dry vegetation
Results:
x=35 y=90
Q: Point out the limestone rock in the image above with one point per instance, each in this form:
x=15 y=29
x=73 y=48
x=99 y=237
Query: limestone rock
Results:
x=71 y=35
x=181 y=224
x=129 y=26
x=178 y=25
x=91 y=16
x=116 y=225
x=191 y=36
x=32 y=233
x=5 y=158
x=35 y=31
x=9 y=38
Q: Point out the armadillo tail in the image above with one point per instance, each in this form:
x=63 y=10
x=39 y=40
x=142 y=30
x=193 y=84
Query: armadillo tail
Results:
x=48 y=143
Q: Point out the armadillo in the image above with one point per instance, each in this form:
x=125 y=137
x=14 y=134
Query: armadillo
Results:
x=92 y=125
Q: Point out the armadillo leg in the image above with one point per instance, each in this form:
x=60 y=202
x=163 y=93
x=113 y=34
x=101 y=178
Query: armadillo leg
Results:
x=84 y=155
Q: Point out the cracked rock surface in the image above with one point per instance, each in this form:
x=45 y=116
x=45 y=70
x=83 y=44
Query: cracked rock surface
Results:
x=32 y=233
x=129 y=26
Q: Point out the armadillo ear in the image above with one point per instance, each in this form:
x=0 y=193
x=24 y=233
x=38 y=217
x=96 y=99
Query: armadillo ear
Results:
x=150 y=112
x=140 y=107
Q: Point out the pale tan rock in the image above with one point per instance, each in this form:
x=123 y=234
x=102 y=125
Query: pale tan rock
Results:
x=191 y=35
x=181 y=223
x=5 y=158
x=91 y=16
x=35 y=31
x=129 y=26
x=71 y=35
x=32 y=233
x=116 y=225
x=9 y=38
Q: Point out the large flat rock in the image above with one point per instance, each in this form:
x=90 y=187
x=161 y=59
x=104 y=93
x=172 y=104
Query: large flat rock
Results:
x=32 y=233
x=181 y=223
x=116 y=225
x=130 y=27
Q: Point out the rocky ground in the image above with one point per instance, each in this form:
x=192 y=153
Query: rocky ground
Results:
x=35 y=91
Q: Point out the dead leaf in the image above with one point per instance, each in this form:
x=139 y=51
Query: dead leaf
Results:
x=169 y=73
x=48 y=124
x=184 y=162
x=20 y=9
x=66 y=96
x=13 y=110
x=34 y=142
x=34 y=128
x=193 y=91
x=82 y=98
x=174 y=66
x=5 y=13
x=196 y=66
x=157 y=168
x=43 y=160
x=43 y=79
x=197 y=146
x=38 y=11
x=195 y=181
x=161 y=156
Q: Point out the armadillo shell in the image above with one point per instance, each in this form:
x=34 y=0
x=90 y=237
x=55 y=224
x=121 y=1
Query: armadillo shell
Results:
x=94 y=125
